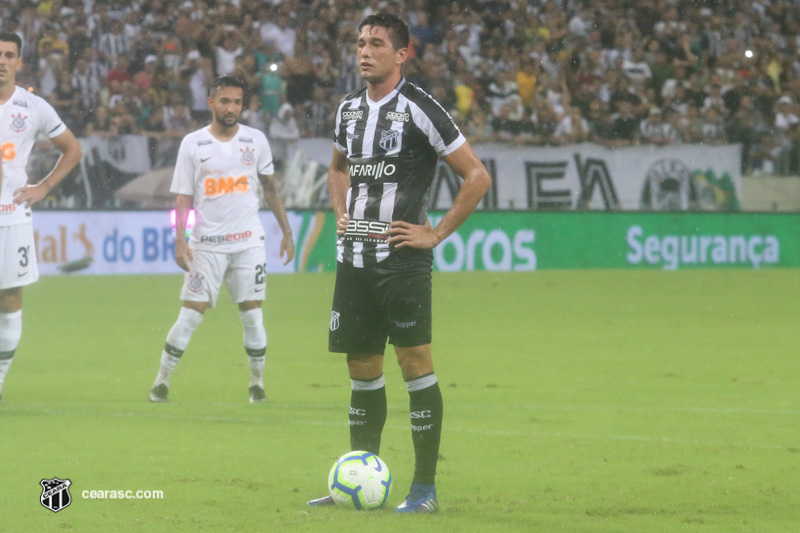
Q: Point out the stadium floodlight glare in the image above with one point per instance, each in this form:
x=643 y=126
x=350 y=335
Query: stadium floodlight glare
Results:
x=189 y=221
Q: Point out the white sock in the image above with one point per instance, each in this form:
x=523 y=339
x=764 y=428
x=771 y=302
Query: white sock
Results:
x=177 y=340
x=10 y=333
x=255 y=344
x=167 y=365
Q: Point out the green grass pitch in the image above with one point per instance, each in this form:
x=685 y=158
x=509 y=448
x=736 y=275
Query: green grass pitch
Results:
x=575 y=401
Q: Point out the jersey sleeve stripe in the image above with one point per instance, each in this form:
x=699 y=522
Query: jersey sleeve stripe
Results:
x=424 y=123
x=438 y=116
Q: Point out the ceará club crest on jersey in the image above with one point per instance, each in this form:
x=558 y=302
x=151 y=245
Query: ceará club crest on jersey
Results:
x=389 y=139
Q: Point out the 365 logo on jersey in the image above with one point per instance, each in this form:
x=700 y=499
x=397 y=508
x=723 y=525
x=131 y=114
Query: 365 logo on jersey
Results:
x=367 y=231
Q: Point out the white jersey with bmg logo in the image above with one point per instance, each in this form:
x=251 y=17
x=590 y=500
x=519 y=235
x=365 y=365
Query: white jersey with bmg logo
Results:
x=222 y=178
x=22 y=118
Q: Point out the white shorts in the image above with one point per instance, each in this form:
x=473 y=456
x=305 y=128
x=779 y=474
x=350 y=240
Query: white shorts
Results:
x=245 y=275
x=17 y=256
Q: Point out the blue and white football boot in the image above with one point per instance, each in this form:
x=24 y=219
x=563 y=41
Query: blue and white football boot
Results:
x=421 y=499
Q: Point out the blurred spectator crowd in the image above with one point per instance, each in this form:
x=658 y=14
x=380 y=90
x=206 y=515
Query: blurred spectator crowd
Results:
x=616 y=72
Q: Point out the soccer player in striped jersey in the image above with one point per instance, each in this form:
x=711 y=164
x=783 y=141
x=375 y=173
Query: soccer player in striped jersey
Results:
x=23 y=116
x=388 y=138
x=217 y=173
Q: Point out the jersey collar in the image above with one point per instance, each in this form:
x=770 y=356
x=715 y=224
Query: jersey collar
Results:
x=387 y=97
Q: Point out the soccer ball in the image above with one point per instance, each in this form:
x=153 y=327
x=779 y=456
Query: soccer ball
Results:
x=360 y=480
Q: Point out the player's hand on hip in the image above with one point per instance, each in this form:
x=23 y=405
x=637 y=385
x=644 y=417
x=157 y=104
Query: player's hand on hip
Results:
x=402 y=233
x=30 y=194
x=341 y=224
x=183 y=255
x=287 y=247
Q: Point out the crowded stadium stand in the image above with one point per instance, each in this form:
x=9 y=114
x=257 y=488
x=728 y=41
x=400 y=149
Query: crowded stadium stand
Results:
x=130 y=77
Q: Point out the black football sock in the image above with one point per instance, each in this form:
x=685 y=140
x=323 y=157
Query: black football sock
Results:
x=367 y=414
x=426 y=425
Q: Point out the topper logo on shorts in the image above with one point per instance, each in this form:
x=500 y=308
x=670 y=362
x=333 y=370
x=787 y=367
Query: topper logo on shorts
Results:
x=397 y=117
x=367 y=231
x=230 y=237
x=352 y=115
x=9 y=151
x=225 y=185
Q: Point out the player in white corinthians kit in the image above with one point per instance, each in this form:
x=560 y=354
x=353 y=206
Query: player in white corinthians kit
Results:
x=217 y=172
x=23 y=116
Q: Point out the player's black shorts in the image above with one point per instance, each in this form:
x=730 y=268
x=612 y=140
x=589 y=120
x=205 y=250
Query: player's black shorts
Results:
x=371 y=304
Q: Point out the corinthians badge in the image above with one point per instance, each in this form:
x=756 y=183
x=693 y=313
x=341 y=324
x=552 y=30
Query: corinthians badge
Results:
x=248 y=156
x=18 y=122
x=196 y=282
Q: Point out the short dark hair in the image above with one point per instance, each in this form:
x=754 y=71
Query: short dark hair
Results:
x=394 y=25
x=226 y=81
x=11 y=37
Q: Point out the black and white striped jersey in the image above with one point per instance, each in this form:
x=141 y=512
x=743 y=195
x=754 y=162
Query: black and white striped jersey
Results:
x=392 y=147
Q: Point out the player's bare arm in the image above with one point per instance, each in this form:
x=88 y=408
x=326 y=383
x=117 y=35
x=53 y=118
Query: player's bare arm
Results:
x=71 y=154
x=338 y=183
x=466 y=164
x=273 y=198
x=183 y=254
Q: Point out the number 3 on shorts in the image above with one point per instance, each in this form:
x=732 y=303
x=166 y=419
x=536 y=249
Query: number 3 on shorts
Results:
x=23 y=250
